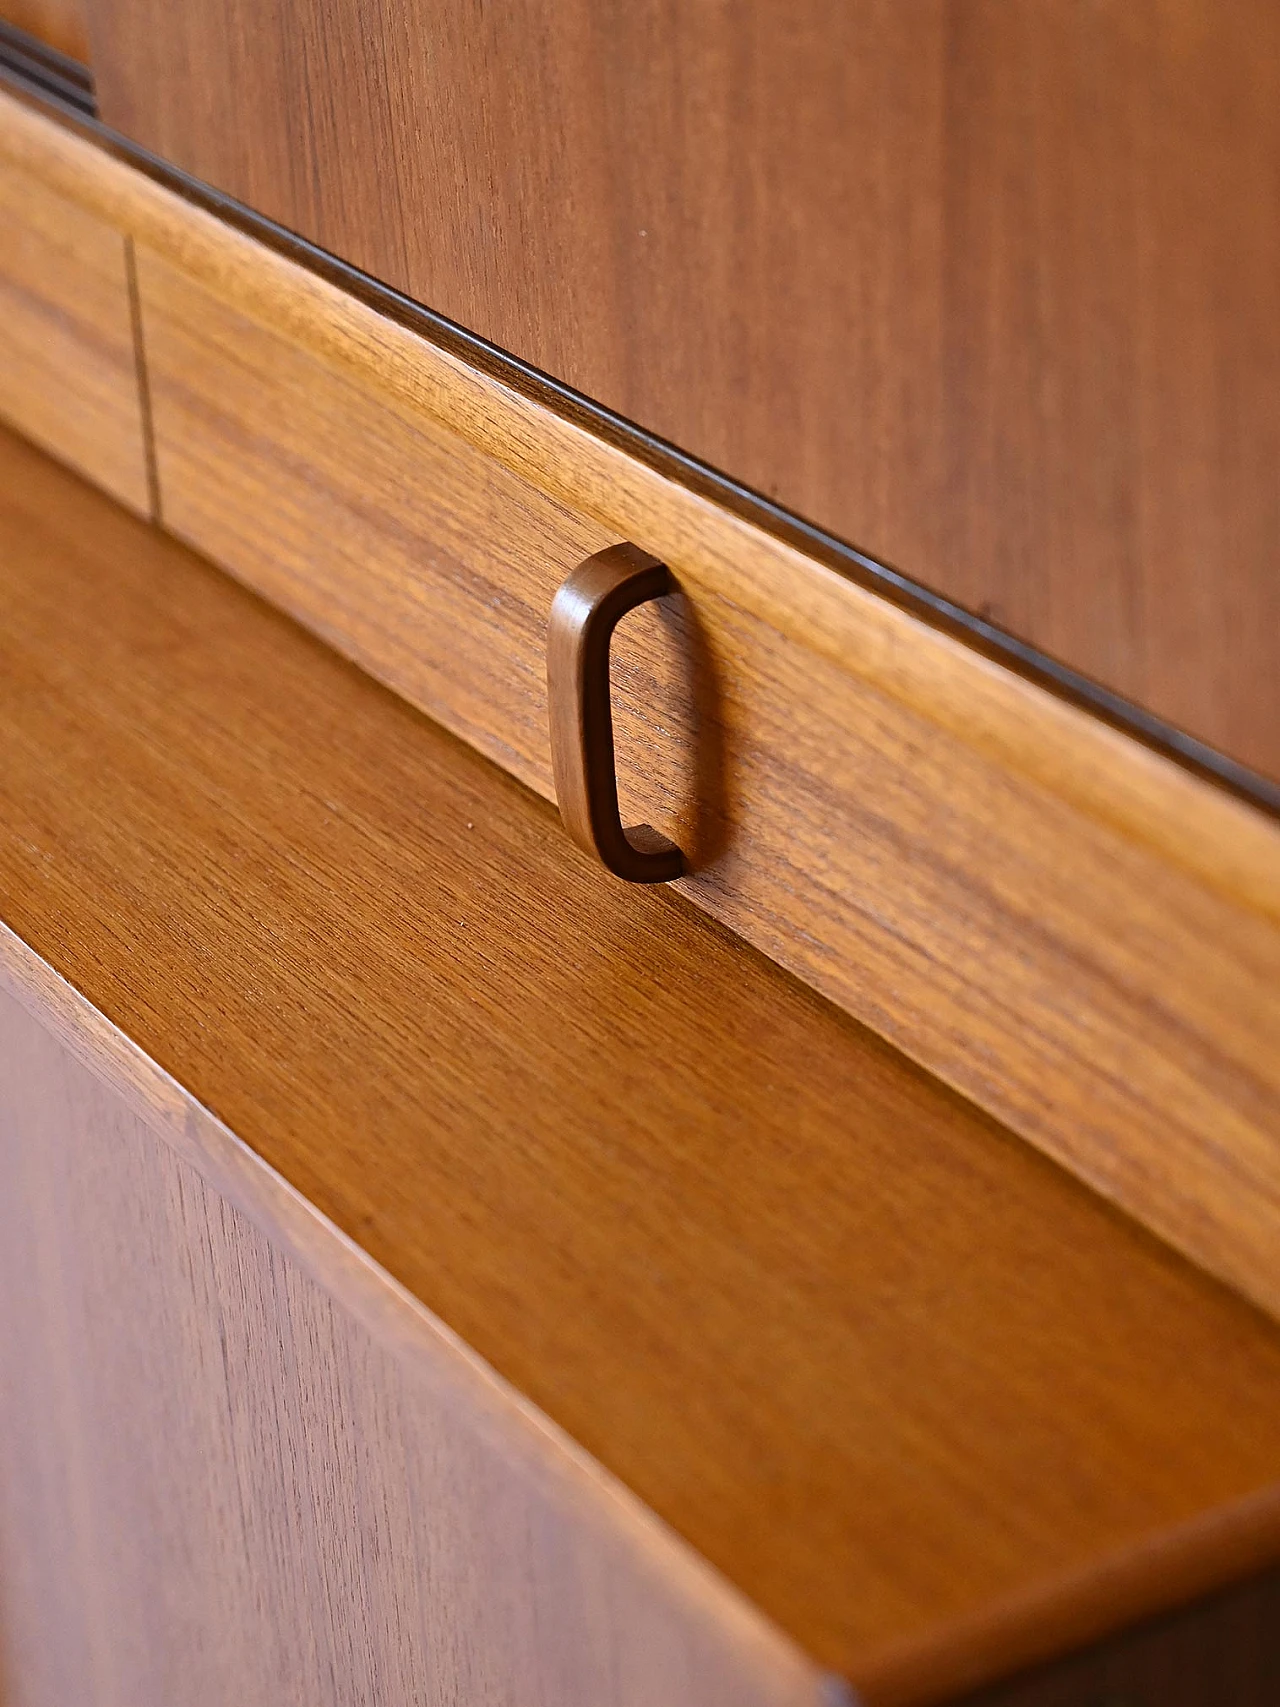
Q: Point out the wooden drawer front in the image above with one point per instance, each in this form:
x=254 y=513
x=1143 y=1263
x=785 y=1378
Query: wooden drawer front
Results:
x=401 y=543
x=68 y=374
x=1076 y=933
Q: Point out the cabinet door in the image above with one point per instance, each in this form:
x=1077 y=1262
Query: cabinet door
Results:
x=990 y=288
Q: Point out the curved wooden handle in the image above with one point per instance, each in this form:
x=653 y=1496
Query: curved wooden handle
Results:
x=584 y=614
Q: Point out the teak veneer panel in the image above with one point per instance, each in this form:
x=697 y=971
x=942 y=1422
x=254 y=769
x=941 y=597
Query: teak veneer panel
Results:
x=990 y=288
x=1076 y=933
x=239 y=1464
x=68 y=373
x=935 y=1407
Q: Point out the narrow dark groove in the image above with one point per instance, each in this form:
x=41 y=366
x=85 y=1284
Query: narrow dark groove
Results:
x=144 y=384
x=46 y=69
x=669 y=460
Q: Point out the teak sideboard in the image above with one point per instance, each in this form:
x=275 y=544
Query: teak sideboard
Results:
x=639 y=854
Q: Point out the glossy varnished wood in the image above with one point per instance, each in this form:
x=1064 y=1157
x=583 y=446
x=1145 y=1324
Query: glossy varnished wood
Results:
x=921 y=271
x=927 y=1401
x=238 y=1464
x=68 y=372
x=1076 y=933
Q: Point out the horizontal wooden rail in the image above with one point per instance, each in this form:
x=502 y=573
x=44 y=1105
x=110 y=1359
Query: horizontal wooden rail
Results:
x=1076 y=933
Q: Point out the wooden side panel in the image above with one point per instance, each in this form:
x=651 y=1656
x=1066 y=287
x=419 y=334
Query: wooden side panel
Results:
x=218 y=1483
x=927 y=1401
x=1104 y=1004
x=62 y=24
x=1221 y=1652
x=68 y=373
x=989 y=287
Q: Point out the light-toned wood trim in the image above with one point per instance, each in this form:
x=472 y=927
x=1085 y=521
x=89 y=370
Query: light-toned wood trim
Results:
x=669 y=1610
x=1071 y=930
x=67 y=350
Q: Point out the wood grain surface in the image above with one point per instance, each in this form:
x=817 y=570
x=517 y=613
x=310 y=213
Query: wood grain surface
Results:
x=68 y=377
x=931 y=1404
x=1222 y=1652
x=1112 y=1005
x=989 y=287
x=62 y=24
x=218 y=1483
x=1077 y=934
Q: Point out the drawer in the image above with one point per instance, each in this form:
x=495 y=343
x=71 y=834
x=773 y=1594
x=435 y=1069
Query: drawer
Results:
x=1074 y=931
